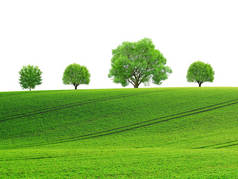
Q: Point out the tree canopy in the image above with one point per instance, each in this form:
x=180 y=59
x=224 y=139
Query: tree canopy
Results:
x=200 y=72
x=138 y=62
x=30 y=76
x=76 y=74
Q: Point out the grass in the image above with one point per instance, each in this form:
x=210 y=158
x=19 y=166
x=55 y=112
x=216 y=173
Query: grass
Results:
x=120 y=133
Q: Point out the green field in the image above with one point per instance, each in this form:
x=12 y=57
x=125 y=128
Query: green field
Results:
x=120 y=133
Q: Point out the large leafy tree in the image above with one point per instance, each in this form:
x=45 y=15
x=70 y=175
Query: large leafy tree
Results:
x=200 y=72
x=30 y=76
x=138 y=62
x=76 y=74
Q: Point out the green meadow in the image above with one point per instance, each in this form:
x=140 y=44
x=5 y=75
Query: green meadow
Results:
x=120 y=133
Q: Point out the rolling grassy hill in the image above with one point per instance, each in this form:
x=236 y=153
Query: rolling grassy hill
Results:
x=120 y=133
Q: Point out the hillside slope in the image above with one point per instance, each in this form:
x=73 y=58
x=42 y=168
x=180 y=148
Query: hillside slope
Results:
x=123 y=133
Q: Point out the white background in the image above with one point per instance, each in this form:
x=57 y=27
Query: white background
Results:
x=53 y=34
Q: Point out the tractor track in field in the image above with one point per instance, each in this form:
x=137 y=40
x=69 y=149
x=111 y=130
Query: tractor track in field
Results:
x=215 y=145
x=230 y=145
x=70 y=105
x=143 y=123
x=31 y=158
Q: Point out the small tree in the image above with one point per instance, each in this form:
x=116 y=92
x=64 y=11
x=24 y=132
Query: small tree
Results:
x=200 y=72
x=138 y=62
x=75 y=74
x=30 y=76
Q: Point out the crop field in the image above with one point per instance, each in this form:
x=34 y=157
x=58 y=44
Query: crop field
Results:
x=120 y=133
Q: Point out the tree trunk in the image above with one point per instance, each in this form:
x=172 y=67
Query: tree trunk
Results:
x=200 y=84
x=29 y=89
x=136 y=85
x=75 y=87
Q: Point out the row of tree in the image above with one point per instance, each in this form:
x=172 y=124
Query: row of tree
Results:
x=132 y=63
x=75 y=74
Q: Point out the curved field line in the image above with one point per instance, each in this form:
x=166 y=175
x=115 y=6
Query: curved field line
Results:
x=151 y=120
x=155 y=121
x=65 y=106
x=142 y=124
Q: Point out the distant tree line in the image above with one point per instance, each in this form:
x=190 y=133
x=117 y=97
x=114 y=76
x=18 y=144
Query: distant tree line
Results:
x=132 y=63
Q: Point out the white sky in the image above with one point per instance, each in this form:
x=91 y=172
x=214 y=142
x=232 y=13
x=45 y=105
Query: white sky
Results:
x=53 y=34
